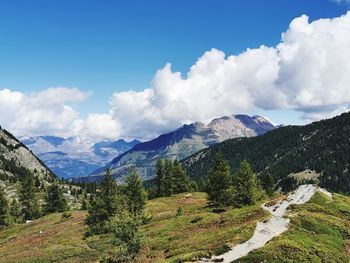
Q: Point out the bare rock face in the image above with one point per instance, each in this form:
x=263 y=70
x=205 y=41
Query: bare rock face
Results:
x=13 y=150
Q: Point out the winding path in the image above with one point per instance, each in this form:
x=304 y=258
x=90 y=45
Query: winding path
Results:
x=275 y=226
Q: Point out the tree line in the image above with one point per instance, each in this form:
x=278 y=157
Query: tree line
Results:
x=27 y=205
x=240 y=188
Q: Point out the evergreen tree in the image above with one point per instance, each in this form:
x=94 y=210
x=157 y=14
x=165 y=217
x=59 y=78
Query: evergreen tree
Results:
x=27 y=196
x=246 y=186
x=168 y=178
x=109 y=191
x=219 y=180
x=181 y=180
x=97 y=218
x=160 y=173
x=54 y=200
x=15 y=211
x=3 y=208
x=135 y=194
x=104 y=205
x=268 y=183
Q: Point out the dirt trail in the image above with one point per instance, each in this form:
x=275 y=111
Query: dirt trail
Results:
x=275 y=226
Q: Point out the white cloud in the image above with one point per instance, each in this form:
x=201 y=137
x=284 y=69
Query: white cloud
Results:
x=308 y=71
x=342 y=1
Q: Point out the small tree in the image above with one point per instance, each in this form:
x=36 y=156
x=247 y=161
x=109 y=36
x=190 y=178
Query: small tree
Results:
x=15 y=211
x=245 y=185
x=27 y=196
x=128 y=239
x=219 y=180
x=97 y=218
x=3 y=208
x=54 y=200
x=135 y=194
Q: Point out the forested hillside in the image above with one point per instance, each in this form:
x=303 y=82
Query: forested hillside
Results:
x=322 y=146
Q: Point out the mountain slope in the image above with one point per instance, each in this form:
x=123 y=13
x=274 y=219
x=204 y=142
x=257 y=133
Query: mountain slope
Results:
x=322 y=146
x=16 y=161
x=183 y=142
x=75 y=157
x=318 y=232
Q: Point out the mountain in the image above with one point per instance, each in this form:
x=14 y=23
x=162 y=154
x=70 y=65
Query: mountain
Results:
x=321 y=148
x=74 y=156
x=183 y=142
x=16 y=160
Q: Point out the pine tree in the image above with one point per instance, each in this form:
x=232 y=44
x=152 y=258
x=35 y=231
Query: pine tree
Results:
x=219 y=180
x=109 y=191
x=245 y=185
x=15 y=211
x=181 y=180
x=97 y=218
x=168 y=178
x=104 y=205
x=3 y=208
x=160 y=173
x=135 y=194
x=54 y=200
x=27 y=196
x=268 y=183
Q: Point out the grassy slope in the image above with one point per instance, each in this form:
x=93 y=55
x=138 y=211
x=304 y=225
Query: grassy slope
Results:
x=169 y=237
x=320 y=232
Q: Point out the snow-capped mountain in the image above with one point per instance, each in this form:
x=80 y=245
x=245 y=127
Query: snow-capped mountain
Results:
x=183 y=142
x=74 y=156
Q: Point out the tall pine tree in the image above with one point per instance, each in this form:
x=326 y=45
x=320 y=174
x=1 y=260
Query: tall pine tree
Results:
x=219 y=180
x=246 y=186
x=135 y=194
x=160 y=174
x=28 y=199
x=54 y=200
x=181 y=180
x=109 y=191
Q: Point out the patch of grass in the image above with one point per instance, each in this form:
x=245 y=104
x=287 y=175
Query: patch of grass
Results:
x=319 y=232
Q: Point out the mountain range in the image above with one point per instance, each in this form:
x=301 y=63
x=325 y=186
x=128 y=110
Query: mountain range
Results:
x=181 y=143
x=75 y=157
x=322 y=149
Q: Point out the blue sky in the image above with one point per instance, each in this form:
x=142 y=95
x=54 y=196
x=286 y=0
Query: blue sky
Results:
x=113 y=46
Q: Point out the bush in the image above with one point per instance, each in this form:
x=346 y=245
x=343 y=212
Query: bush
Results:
x=66 y=215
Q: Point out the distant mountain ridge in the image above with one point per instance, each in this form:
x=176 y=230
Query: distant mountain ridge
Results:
x=323 y=147
x=183 y=142
x=73 y=156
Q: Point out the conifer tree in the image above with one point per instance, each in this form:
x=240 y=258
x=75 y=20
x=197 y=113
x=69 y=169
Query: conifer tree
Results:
x=245 y=185
x=268 y=183
x=160 y=173
x=3 y=208
x=54 y=200
x=168 y=178
x=97 y=217
x=15 y=211
x=219 y=180
x=109 y=191
x=27 y=196
x=135 y=194
x=181 y=179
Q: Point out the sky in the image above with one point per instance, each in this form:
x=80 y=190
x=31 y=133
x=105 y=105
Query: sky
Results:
x=136 y=69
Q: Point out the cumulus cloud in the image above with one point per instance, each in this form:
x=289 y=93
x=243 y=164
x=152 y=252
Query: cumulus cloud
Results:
x=50 y=112
x=308 y=71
